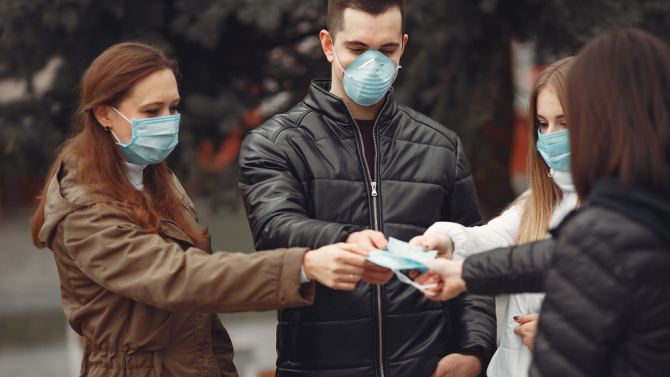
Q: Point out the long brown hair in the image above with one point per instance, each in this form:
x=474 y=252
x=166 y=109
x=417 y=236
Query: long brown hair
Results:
x=544 y=195
x=107 y=81
x=620 y=110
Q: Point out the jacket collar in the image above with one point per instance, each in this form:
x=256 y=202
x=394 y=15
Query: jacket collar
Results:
x=322 y=100
x=648 y=207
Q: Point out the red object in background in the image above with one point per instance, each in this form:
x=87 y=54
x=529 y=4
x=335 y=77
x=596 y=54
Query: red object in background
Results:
x=228 y=150
x=520 y=144
x=518 y=161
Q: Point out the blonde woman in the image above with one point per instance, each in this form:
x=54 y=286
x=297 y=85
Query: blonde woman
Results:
x=550 y=197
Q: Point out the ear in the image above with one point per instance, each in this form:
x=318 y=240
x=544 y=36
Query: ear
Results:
x=327 y=45
x=404 y=43
x=103 y=115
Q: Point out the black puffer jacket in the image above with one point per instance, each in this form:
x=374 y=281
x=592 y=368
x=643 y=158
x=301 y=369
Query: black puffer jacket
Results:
x=607 y=278
x=305 y=182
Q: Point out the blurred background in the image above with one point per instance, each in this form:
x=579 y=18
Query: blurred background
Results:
x=469 y=64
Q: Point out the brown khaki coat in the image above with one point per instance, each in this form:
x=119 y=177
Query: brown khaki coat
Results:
x=145 y=303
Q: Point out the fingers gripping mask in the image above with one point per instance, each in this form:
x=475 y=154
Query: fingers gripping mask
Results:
x=555 y=149
x=369 y=77
x=401 y=255
x=153 y=139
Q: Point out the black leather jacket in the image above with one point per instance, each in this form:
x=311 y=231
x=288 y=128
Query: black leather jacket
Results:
x=305 y=182
x=605 y=272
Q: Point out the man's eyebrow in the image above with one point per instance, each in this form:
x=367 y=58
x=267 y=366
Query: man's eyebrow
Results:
x=359 y=43
x=355 y=43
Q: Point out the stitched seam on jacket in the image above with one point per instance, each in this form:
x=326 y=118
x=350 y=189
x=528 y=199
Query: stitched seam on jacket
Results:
x=195 y=345
x=274 y=135
x=67 y=276
x=420 y=183
x=427 y=125
x=564 y=356
x=405 y=224
x=418 y=143
x=331 y=179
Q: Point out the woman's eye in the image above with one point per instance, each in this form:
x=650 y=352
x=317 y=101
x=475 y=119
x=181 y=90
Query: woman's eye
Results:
x=356 y=50
x=386 y=52
x=174 y=109
x=152 y=111
x=543 y=125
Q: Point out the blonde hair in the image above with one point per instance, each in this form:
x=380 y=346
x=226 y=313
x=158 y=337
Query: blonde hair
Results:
x=544 y=195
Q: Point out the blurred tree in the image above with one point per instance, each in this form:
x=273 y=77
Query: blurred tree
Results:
x=244 y=60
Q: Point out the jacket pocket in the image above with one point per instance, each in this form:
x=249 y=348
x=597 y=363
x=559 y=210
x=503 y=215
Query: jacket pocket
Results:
x=295 y=326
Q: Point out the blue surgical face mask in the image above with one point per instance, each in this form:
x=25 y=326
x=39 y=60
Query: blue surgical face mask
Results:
x=555 y=149
x=369 y=77
x=400 y=256
x=153 y=139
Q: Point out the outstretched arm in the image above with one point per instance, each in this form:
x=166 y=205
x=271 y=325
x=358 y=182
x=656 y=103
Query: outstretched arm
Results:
x=123 y=258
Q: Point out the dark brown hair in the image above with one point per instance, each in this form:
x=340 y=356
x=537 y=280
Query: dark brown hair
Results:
x=107 y=81
x=374 y=7
x=544 y=194
x=619 y=100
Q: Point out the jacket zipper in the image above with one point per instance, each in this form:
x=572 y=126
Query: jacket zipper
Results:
x=373 y=185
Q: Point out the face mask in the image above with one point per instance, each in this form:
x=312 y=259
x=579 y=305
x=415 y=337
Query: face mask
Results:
x=153 y=139
x=400 y=256
x=555 y=149
x=369 y=77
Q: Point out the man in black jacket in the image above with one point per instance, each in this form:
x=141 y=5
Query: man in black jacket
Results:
x=344 y=165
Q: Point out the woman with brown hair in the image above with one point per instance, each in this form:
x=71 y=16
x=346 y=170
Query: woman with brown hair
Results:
x=605 y=271
x=550 y=197
x=138 y=278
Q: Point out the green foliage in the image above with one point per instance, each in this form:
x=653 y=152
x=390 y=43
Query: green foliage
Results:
x=246 y=57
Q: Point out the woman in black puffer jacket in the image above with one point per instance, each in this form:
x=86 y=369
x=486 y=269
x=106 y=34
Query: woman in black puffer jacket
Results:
x=606 y=271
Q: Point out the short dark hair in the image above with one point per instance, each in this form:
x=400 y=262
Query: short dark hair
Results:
x=619 y=101
x=374 y=7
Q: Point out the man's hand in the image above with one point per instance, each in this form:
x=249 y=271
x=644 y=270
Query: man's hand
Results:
x=458 y=365
x=449 y=272
x=440 y=242
x=527 y=329
x=369 y=240
x=338 y=266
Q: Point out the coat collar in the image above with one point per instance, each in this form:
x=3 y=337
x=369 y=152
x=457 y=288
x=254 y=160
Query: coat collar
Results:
x=322 y=100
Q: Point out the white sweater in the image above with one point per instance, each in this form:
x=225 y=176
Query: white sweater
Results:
x=512 y=359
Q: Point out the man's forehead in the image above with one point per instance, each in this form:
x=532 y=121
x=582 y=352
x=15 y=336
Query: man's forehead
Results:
x=364 y=27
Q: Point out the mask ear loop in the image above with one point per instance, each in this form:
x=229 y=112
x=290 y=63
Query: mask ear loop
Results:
x=112 y=131
x=423 y=288
x=338 y=63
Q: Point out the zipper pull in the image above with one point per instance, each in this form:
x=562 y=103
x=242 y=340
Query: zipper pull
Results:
x=374 y=188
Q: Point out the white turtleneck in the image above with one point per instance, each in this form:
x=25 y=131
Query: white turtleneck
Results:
x=135 y=174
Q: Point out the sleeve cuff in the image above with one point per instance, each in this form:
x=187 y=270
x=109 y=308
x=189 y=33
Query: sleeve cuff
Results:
x=457 y=234
x=303 y=276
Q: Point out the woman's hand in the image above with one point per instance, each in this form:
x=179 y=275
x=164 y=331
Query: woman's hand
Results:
x=440 y=242
x=338 y=266
x=527 y=329
x=448 y=273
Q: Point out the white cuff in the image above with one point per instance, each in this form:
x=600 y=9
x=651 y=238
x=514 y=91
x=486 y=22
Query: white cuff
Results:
x=457 y=234
x=303 y=277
